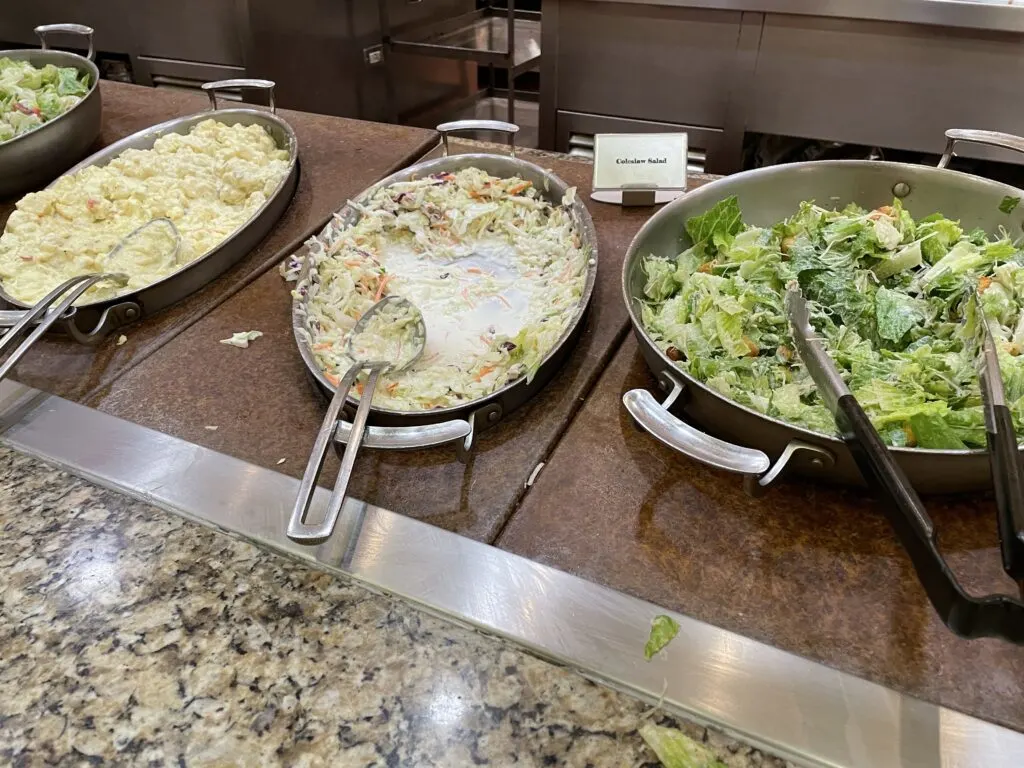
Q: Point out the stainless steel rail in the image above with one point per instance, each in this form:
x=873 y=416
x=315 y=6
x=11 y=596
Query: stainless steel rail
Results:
x=774 y=700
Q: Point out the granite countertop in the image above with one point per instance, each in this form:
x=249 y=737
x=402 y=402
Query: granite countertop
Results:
x=131 y=636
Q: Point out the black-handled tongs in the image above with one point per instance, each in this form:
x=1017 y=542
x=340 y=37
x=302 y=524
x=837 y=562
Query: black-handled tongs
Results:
x=999 y=616
x=1007 y=477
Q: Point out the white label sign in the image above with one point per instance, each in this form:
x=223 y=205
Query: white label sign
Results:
x=655 y=161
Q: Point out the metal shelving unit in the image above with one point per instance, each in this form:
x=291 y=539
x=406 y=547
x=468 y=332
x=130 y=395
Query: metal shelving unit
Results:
x=500 y=38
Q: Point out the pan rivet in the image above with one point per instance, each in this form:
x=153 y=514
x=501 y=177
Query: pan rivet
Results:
x=817 y=462
x=492 y=416
x=901 y=189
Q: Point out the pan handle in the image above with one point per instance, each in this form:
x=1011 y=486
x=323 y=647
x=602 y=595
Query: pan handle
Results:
x=298 y=529
x=655 y=418
x=66 y=293
x=407 y=438
x=237 y=84
x=71 y=29
x=990 y=138
x=478 y=125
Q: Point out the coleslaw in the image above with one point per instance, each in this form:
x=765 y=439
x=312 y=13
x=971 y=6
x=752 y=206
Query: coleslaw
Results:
x=496 y=270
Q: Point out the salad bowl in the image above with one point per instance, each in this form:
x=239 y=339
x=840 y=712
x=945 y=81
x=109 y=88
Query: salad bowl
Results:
x=702 y=423
x=34 y=158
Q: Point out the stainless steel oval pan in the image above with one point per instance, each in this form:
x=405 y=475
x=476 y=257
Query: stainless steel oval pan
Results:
x=417 y=429
x=460 y=424
x=104 y=316
x=32 y=159
x=730 y=436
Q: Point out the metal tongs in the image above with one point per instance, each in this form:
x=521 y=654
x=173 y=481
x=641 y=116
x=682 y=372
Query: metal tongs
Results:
x=1007 y=477
x=58 y=303
x=999 y=616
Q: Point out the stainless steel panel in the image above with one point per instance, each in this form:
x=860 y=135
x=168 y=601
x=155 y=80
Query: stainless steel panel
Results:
x=183 y=74
x=314 y=51
x=577 y=124
x=782 y=703
x=647 y=62
x=966 y=14
x=195 y=30
x=885 y=84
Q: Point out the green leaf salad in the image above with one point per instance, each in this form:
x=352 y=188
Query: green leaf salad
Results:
x=31 y=96
x=888 y=293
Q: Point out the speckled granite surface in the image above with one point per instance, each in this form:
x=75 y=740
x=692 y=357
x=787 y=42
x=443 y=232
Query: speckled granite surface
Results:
x=130 y=636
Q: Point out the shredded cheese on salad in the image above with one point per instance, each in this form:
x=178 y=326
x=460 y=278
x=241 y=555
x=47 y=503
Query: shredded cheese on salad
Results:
x=496 y=270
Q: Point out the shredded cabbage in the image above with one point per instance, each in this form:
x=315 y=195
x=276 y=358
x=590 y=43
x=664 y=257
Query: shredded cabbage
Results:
x=888 y=295
x=497 y=271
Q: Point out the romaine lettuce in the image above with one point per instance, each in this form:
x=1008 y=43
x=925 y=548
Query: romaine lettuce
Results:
x=887 y=295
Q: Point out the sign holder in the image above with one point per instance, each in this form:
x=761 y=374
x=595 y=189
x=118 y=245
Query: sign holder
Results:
x=639 y=169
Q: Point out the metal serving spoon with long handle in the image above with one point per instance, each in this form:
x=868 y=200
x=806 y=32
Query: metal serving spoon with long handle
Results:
x=375 y=346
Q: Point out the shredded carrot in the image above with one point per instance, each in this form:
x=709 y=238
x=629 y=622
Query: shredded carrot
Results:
x=465 y=295
x=380 y=288
x=392 y=387
x=475 y=270
x=504 y=301
x=484 y=371
x=983 y=283
x=522 y=186
x=335 y=381
x=359 y=387
x=351 y=262
x=322 y=346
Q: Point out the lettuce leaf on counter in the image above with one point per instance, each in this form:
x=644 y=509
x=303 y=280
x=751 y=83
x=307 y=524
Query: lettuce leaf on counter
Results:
x=677 y=750
x=663 y=630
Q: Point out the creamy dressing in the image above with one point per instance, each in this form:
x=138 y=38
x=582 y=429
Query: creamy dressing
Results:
x=466 y=302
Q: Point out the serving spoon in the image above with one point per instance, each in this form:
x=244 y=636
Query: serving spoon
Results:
x=371 y=346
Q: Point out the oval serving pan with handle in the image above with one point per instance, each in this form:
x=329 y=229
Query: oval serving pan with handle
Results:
x=733 y=437
x=406 y=430
x=32 y=159
x=91 y=322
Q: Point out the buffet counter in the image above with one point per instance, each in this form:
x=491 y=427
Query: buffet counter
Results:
x=200 y=620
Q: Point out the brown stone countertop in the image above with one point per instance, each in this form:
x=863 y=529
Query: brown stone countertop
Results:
x=265 y=409
x=338 y=158
x=811 y=569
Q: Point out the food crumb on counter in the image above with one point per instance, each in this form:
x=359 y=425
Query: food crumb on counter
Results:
x=533 y=475
x=281 y=461
x=211 y=427
x=242 y=339
x=121 y=339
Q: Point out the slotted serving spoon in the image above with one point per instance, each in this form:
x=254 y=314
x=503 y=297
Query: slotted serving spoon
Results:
x=58 y=303
x=368 y=349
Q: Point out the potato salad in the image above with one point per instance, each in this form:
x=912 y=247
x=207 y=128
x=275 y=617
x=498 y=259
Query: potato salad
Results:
x=208 y=182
